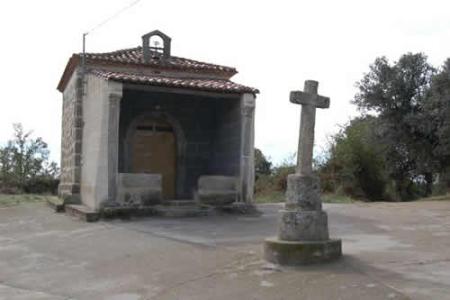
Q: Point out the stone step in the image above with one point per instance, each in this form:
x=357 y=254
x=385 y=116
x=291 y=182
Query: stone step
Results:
x=177 y=203
x=56 y=204
x=82 y=212
x=181 y=211
x=127 y=212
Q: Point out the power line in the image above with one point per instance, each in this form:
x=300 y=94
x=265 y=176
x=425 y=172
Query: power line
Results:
x=83 y=58
x=112 y=17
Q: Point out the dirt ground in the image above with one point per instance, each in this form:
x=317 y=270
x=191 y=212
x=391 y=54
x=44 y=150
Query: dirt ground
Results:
x=391 y=251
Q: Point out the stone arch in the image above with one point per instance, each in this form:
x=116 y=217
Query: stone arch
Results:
x=180 y=145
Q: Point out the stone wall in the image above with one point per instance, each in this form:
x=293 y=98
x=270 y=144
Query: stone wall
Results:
x=226 y=149
x=210 y=128
x=96 y=161
x=71 y=136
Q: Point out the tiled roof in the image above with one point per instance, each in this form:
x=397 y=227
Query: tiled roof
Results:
x=135 y=56
x=213 y=85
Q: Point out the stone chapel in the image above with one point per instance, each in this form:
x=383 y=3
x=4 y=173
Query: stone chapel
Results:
x=141 y=127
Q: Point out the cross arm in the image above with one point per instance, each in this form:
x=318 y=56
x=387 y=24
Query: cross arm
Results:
x=299 y=97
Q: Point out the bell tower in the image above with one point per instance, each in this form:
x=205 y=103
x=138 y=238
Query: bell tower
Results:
x=156 y=45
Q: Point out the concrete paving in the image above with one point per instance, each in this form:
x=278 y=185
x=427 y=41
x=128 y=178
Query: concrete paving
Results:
x=391 y=251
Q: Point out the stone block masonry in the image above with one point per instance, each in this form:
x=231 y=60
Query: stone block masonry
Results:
x=71 y=141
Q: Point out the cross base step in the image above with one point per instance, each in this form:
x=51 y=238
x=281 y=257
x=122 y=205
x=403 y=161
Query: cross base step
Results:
x=301 y=252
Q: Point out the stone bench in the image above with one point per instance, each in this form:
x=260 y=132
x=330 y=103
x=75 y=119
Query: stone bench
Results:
x=139 y=189
x=217 y=190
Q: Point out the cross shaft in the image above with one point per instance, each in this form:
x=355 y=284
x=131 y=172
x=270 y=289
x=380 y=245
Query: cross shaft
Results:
x=310 y=100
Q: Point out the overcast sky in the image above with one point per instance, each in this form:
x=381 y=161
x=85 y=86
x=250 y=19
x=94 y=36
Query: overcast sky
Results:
x=275 y=45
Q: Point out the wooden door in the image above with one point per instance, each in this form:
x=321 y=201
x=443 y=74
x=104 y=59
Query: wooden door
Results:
x=154 y=151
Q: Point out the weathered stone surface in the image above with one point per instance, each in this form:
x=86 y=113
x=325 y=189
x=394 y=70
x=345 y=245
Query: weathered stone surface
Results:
x=57 y=204
x=128 y=211
x=301 y=252
x=217 y=190
x=82 y=212
x=131 y=180
x=181 y=211
x=71 y=132
x=303 y=225
x=216 y=198
x=139 y=189
x=310 y=100
x=303 y=192
x=217 y=183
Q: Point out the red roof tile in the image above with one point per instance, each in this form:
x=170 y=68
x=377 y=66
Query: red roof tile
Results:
x=135 y=56
x=213 y=85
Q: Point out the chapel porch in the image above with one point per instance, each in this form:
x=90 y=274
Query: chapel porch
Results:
x=169 y=139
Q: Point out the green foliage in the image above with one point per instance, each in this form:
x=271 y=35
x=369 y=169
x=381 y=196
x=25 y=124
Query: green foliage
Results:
x=438 y=114
x=356 y=164
x=401 y=144
x=270 y=187
x=262 y=164
x=399 y=149
x=280 y=173
x=336 y=198
x=397 y=93
x=24 y=164
x=41 y=185
x=269 y=196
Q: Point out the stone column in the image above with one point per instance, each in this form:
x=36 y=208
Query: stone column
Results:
x=246 y=180
x=113 y=145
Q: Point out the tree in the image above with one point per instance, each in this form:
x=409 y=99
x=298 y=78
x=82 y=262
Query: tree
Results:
x=438 y=112
x=397 y=94
x=25 y=158
x=262 y=164
x=356 y=163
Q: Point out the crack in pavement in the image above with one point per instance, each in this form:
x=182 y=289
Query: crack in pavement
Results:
x=22 y=288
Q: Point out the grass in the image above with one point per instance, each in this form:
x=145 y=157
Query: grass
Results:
x=270 y=197
x=12 y=200
x=277 y=197
x=445 y=197
x=334 y=198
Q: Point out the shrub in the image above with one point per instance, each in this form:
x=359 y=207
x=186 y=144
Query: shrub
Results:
x=41 y=185
x=356 y=163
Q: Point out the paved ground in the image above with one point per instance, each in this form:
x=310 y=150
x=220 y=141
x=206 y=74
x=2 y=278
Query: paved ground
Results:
x=392 y=251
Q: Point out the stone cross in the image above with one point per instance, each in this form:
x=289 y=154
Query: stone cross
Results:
x=303 y=236
x=310 y=100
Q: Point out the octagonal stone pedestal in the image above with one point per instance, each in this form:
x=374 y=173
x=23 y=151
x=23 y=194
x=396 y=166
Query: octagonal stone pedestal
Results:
x=301 y=252
x=302 y=227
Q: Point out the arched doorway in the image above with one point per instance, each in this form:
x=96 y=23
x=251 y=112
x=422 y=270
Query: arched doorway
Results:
x=153 y=149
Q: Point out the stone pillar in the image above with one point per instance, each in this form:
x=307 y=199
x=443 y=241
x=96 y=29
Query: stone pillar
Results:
x=113 y=145
x=247 y=168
